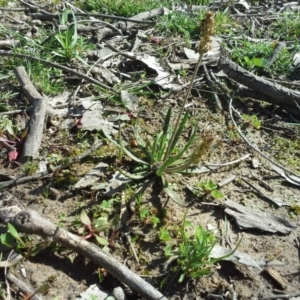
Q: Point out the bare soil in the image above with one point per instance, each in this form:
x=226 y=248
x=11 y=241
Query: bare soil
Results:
x=69 y=274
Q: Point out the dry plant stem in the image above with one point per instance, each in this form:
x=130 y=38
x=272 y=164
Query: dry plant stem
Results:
x=22 y=286
x=228 y=163
x=282 y=296
x=217 y=100
x=24 y=179
x=58 y=66
x=13 y=112
x=37 y=117
x=29 y=221
x=253 y=147
x=183 y=105
x=82 y=81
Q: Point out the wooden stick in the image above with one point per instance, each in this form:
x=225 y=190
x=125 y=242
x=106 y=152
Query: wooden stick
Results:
x=37 y=118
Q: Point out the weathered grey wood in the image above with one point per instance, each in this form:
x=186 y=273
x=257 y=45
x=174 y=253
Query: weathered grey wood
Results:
x=37 y=117
x=248 y=218
x=248 y=93
x=281 y=95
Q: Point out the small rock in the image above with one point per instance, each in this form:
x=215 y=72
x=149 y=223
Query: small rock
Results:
x=119 y=294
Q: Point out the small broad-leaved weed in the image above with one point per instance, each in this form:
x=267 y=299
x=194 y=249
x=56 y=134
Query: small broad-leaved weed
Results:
x=205 y=188
x=93 y=229
x=12 y=239
x=209 y=187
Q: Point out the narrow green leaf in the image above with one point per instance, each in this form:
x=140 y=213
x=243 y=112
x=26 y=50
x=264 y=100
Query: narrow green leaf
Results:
x=167 y=121
x=136 y=176
x=171 y=160
x=138 y=138
x=181 y=278
x=84 y=218
x=173 y=195
x=154 y=151
x=74 y=36
x=13 y=231
x=179 y=131
x=102 y=241
x=131 y=155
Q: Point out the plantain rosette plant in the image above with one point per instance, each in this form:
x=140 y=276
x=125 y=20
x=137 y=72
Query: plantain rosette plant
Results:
x=160 y=157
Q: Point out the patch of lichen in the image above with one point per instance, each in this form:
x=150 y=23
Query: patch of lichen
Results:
x=286 y=152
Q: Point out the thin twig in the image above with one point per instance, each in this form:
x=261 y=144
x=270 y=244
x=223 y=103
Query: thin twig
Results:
x=58 y=66
x=132 y=248
x=283 y=296
x=215 y=95
x=174 y=131
x=56 y=15
x=13 y=112
x=82 y=81
x=22 y=287
x=253 y=147
x=24 y=179
x=228 y=163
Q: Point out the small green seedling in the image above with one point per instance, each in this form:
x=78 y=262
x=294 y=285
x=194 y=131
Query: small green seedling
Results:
x=100 y=225
x=209 y=187
x=164 y=235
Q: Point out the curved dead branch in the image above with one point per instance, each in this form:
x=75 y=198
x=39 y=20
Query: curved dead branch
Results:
x=29 y=221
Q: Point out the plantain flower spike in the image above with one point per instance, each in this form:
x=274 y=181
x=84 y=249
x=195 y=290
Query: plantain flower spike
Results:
x=201 y=149
x=207 y=31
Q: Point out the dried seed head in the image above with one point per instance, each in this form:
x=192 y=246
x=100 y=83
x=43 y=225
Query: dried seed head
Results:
x=201 y=149
x=207 y=31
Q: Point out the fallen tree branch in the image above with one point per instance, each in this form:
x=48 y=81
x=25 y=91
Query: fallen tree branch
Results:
x=37 y=116
x=243 y=91
x=29 y=221
x=282 y=96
